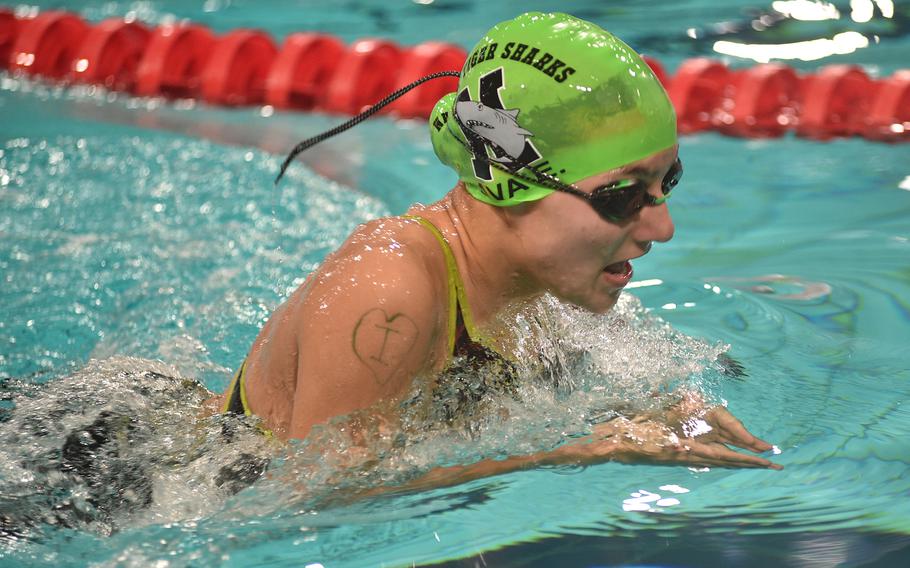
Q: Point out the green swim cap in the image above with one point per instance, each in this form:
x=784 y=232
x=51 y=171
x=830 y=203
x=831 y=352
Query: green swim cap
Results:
x=557 y=93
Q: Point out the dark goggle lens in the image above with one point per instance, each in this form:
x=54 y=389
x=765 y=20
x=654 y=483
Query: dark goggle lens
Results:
x=619 y=203
x=623 y=202
x=672 y=178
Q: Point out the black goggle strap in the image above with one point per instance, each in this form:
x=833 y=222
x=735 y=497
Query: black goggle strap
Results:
x=601 y=200
x=557 y=184
x=310 y=142
x=545 y=179
x=542 y=178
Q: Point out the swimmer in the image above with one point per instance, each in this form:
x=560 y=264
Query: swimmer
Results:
x=565 y=147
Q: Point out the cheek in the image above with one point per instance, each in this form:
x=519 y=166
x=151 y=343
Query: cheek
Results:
x=566 y=254
x=571 y=270
x=568 y=243
x=588 y=247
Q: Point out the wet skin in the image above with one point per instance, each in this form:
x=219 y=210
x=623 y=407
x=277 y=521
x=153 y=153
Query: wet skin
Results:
x=569 y=245
x=373 y=318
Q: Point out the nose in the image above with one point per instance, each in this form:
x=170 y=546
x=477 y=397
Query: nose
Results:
x=655 y=224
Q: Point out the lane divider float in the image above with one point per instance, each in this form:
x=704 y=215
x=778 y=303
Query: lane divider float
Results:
x=314 y=71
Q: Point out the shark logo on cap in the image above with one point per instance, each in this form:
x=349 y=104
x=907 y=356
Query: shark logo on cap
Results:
x=492 y=128
x=497 y=127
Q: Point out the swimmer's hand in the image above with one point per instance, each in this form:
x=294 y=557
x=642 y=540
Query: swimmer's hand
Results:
x=646 y=441
x=727 y=429
x=641 y=440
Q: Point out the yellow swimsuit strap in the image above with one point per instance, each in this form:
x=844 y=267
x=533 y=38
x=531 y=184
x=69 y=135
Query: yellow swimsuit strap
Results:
x=238 y=376
x=457 y=297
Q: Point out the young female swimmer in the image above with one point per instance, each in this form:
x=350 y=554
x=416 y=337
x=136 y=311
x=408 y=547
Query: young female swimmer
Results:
x=564 y=143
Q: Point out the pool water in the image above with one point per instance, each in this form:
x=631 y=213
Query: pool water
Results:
x=151 y=230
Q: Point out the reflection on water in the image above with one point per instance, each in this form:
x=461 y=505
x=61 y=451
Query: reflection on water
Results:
x=644 y=500
x=695 y=547
x=795 y=30
x=781 y=287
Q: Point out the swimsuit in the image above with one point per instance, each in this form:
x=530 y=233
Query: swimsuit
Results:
x=464 y=340
x=466 y=346
x=236 y=400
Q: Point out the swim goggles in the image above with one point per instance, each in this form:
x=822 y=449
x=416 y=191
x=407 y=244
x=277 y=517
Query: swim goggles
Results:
x=615 y=201
x=624 y=198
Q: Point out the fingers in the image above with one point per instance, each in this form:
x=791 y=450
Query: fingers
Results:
x=757 y=445
x=744 y=439
x=732 y=431
x=652 y=442
x=697 y=453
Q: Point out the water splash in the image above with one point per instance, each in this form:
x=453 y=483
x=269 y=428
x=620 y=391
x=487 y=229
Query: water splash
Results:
x=574 y=371
x=121 y=443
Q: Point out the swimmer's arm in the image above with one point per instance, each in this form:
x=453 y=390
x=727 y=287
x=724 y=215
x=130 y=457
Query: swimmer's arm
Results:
x=626 y=441
x=646 y=441
x=367 y=328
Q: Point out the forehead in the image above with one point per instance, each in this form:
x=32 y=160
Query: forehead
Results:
x=651 y=168
x=655 y=165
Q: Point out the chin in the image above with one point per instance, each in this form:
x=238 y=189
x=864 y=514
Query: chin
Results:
x=599 y=305
x=603 y=308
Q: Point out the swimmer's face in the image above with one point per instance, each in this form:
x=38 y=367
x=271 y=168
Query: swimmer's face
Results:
x=581 y=258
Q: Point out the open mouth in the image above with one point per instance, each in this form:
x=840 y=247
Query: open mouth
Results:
x=619 y=268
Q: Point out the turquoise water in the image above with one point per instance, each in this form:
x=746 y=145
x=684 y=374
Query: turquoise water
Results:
x=151 y=230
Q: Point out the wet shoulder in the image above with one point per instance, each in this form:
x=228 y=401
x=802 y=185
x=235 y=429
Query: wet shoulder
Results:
x=391 y=250
x=391 y=264
x=372 y=315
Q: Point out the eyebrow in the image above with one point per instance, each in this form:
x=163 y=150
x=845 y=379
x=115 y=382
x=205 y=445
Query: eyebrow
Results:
x=640 y=171
x=643 y=171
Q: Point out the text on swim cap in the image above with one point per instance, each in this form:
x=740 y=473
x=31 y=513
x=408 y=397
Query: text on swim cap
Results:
x=512 y=186
x=551 y=66
x=485 y=53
